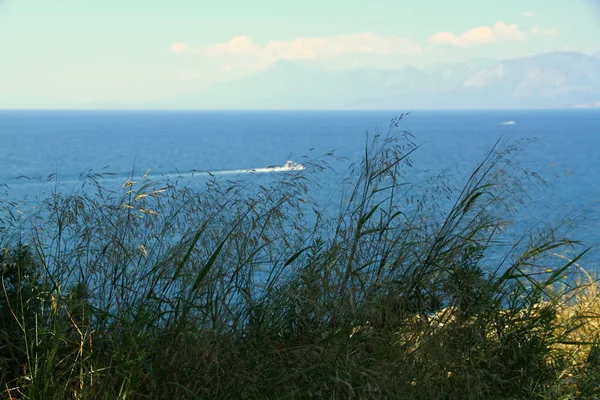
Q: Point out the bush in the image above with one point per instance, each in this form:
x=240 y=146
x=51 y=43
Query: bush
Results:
x=234 y=290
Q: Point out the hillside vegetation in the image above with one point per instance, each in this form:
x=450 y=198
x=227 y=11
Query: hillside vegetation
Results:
x=236 y=290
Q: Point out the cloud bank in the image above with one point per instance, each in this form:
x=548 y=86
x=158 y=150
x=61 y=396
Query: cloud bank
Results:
x=314 y=47
x=243 y=47
x=500 y=32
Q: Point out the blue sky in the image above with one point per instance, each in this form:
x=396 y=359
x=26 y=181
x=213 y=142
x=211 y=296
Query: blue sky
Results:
x=73 y=53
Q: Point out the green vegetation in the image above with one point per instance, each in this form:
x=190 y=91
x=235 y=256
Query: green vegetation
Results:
x=238 y=290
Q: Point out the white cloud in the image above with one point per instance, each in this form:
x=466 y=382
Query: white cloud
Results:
x=313 y=47
x=238 y=46
x=536 y=30
x=500 y=32
x=528 y=14
x=179 y=47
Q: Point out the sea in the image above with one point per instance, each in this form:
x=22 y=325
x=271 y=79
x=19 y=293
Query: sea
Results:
x=45 y=152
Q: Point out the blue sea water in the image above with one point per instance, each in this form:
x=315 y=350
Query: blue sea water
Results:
x=36 y=144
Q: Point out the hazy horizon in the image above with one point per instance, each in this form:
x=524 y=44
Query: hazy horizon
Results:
x=134 y=55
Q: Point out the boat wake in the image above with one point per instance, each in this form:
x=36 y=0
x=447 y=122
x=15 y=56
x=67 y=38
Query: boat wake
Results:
x=508 y=123
x=289 y=166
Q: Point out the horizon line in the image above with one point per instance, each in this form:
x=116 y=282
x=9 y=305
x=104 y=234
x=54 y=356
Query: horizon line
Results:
x=407 y=110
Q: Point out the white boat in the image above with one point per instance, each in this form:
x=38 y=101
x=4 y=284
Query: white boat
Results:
x=288 y=166
x=292 y=166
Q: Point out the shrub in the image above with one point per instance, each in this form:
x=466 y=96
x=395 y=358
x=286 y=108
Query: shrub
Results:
x=234 y=290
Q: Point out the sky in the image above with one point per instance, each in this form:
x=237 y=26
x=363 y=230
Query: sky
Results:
x=74 y=53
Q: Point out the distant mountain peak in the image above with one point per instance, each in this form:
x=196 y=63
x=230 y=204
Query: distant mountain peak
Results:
x=558 y=79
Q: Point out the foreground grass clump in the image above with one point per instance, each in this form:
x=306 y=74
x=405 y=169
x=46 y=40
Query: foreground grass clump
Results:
x=239 y=290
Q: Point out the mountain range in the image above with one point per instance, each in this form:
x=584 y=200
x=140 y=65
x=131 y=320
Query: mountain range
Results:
x=551 y=80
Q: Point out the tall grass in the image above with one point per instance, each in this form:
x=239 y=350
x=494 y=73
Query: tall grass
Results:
x=237 y=290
